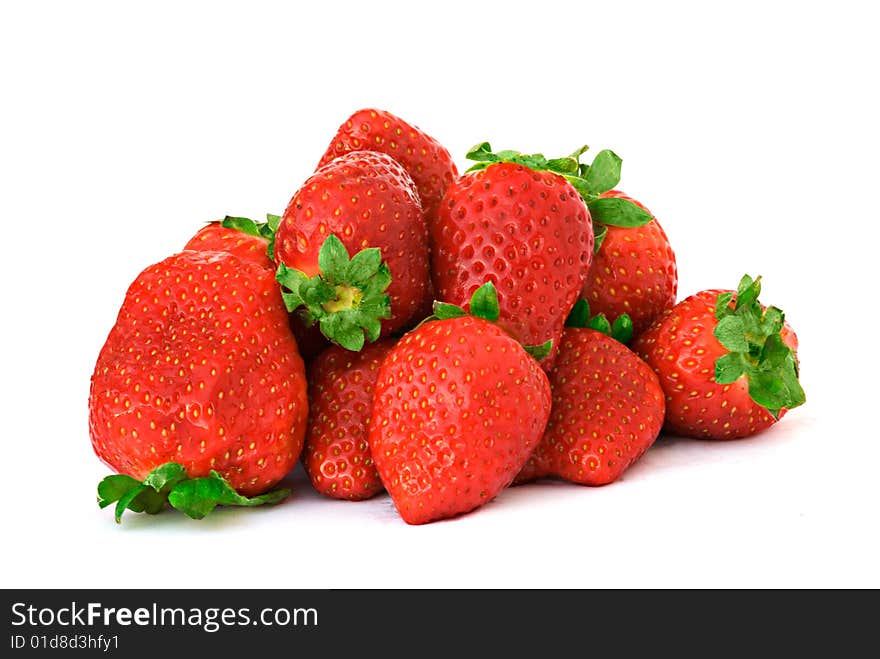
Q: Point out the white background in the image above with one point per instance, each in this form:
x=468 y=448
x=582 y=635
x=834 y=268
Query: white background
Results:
x=750 y=131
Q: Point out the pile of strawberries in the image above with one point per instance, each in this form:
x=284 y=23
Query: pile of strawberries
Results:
x=438 y=336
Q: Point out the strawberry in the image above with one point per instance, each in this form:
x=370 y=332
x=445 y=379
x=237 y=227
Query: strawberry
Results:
x=254 y=241
x=728 y=366
x=199 y=389
x=426 y=160
x=458 y=407
x=525 y=230
x=336 y=454
x=607 y=411
x=633 y=271
x=639 y=280
x=227 y=236
x=364 y=201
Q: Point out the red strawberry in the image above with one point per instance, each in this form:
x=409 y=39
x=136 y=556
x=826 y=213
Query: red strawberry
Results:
x=727 y=365
x=336 y=454
x=222 y=237
x=526 y=231
x=633 y=272
x=201 y=371
x=254 y=241
x=607 y=411
x=364 y=201
x=458 y=407
x=638 y=281
x=429 y=163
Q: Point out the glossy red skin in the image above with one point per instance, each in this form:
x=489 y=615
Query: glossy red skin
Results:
x=682 y=349
x=426 y=160
x=201 y=369
x=457 y=410
x=529 y=233
x=367 y=200
x=607 y=411
x=633 y=272
x=215 y=237
x=337 y=455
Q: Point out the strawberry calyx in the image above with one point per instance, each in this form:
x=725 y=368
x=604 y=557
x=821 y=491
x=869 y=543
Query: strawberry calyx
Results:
x=590 y=180
x=752 y=334
x=346 y=298
x=621 y=329
x=169 y=484
x=484 y=304
x=265 y=230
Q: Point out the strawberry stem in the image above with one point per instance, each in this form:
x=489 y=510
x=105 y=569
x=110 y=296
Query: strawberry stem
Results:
x=347 y=297
x=753 y=336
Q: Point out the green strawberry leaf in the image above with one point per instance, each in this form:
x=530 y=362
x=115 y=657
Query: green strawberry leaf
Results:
x=604 y=173
x=774 y=353
x=756 y=351
x=168 y=483
x=621 y=329
x=722 y=305
x=539 y=352
x=617 y=212
x=730 y=332
x=567 y=165
x=347 y=298
x=364 y=264
x=482 y=152
x=197 y=497
x=269 y=230
x=333 y=260
x=129 y=493
x=484 y=303
x=343 y=330
x=126 y=502
x=112 y=488
x=165 y=476
x=579 y=316
x=600 y=323
x=599 y=233
x=265 y=230
x=316 y=292
x=149 y=501
x=291 y=280
x=243 y=224
x=444 y=310
x=483 y=155
x=477 y=167
x=272 y=222
x=773 y=321
x=578 y=183
x=729 y=368
x=374 y=286
x=589 y=180
x=778 y=389
x=748 y=291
